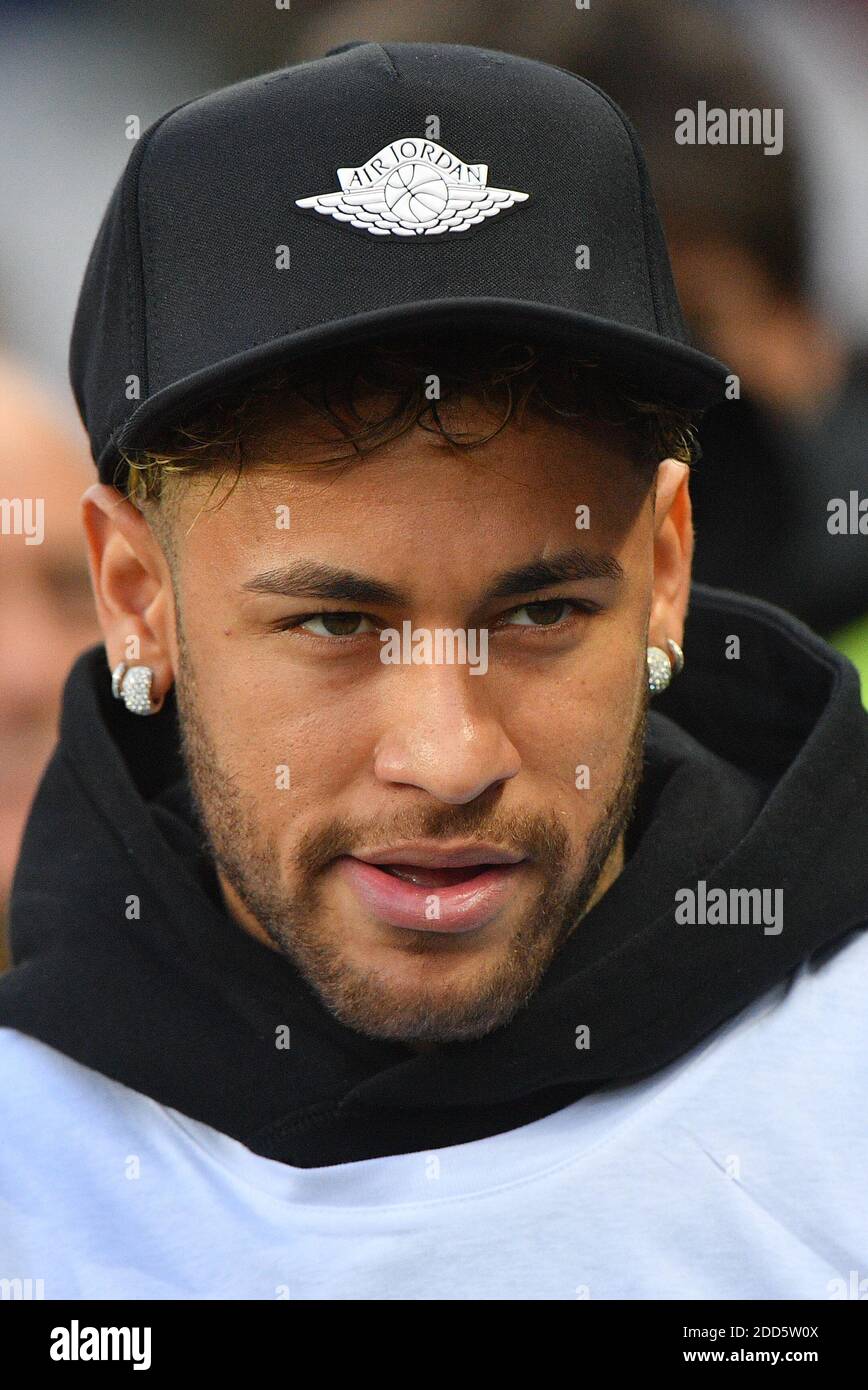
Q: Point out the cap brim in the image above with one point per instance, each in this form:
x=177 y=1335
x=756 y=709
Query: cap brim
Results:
x=662 y=368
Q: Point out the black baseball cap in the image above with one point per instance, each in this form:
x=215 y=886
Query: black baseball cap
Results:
x=398 y=187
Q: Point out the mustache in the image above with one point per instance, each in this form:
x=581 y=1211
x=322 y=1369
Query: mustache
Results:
x=538 y=837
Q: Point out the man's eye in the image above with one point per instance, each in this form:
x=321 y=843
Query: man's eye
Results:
x=544 y=613
x=336 y=624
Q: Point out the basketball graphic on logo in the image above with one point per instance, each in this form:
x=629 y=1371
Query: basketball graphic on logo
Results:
x=429 y=191
x=415 y=193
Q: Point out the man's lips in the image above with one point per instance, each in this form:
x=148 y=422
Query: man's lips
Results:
x=430 y=888
x=430 y=854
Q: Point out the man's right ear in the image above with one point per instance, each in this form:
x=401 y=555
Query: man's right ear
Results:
x=132 y=586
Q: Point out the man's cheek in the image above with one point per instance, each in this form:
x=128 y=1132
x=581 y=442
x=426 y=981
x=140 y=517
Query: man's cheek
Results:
x=282 y=780
x=579 y=755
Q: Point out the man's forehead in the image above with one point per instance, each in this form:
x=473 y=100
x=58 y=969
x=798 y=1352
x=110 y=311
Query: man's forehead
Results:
x=416 y=503
x=419 y=469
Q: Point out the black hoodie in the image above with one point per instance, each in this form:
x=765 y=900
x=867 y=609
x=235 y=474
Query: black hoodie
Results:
x=756 y=777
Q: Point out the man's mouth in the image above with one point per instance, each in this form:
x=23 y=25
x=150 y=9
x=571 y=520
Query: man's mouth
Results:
x=434 y=889
x=433 y=878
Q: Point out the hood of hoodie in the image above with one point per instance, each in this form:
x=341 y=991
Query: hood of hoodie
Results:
x=125 y=959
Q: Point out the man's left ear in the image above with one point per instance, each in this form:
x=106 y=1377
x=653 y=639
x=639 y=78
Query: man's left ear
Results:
x=673 y=554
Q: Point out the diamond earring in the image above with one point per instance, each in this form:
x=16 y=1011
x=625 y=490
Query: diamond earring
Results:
x=132 y=684
x=662 y=666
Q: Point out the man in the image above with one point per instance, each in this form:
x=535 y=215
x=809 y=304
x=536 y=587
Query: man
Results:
x=377 y=940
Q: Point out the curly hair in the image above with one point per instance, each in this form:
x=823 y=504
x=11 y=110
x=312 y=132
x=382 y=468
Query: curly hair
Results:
x=374 y=393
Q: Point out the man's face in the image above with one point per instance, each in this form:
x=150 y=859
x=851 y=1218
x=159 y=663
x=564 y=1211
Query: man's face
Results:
x=418 y=834
x=315 y=763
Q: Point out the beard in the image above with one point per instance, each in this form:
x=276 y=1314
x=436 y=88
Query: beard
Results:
x=296 y=921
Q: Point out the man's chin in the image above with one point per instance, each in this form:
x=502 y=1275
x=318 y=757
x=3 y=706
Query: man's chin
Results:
x=426 y=986
x=401 y=1006
x=412 y=985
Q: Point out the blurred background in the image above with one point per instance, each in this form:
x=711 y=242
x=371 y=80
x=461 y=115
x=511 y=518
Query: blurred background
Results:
x=769 y=254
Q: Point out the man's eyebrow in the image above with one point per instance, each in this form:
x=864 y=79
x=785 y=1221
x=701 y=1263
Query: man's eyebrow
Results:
x=314 y=579
x=567 y=565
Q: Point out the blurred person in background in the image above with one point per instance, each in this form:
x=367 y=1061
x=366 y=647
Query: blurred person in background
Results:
x=738 y=223
x=46 y=608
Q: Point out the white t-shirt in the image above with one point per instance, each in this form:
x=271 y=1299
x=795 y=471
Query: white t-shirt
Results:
x=740 y=1171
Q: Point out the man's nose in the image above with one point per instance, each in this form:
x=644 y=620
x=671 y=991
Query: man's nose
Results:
x=444 y=735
